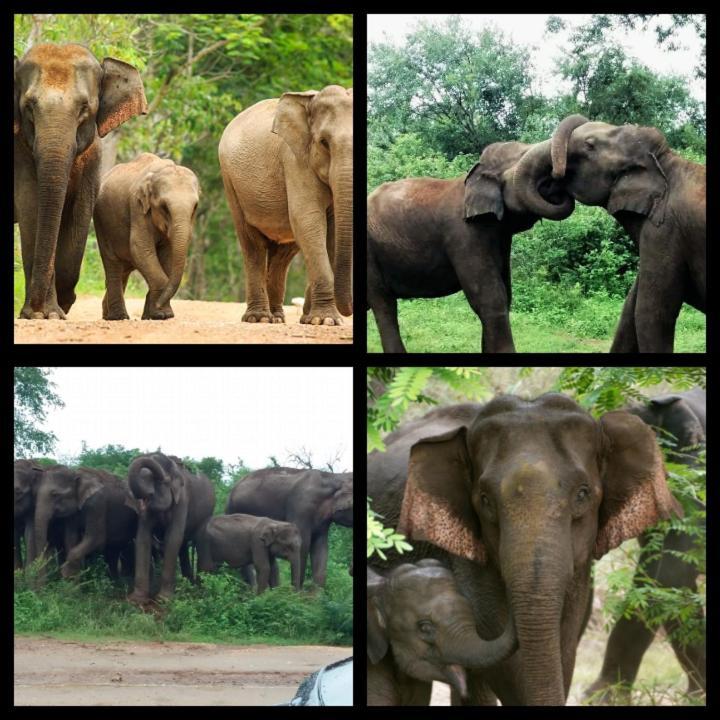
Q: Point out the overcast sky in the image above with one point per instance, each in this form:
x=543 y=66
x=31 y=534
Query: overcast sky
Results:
x=229 y=413
x=529 y=30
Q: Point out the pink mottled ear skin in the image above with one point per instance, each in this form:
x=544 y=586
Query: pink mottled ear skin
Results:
x=635 y=492
x=436 y=506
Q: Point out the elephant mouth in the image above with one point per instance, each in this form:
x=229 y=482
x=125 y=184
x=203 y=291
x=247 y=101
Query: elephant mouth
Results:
x=456 y=677
x=552 y=191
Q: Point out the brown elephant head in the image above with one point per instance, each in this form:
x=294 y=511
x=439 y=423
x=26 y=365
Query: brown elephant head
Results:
x=28 y=475
x=64 y=100
x=283 y=540
x=516 y=177
x=537 y=489
x=318 y=128
x=616 y=167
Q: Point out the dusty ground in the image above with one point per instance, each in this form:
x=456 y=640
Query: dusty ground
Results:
x=58 y=672
x=195 y=321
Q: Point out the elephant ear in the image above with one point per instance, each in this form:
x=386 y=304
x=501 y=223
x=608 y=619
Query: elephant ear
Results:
x=122 y=95
x=88 y=485
x=635 y=493
x=16 y=110
x=377 y=638
x=143 y=193
x=292 y=122
x=483 y=193
x=267 y=535
x=177 y=482
x=436 y=507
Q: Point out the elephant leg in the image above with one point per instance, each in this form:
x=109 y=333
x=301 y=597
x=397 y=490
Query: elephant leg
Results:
x=72 y=239
x=319 y=556
x=112 y=557
x=384 y=306
x=150 y=268
x=185 y=564
x=274 y=573
x=30 y=552
x=143 y=542
x=279 y=257
x=173 y=542
x=247 y=573
x=17 y=554
x=165 y=257
x=691 y=656
x=116 y=275
x=625 y=339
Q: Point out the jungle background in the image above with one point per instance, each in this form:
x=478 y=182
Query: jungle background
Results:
x=199 y=72
x=436 y=99
x=223 y=609
x=396 y=395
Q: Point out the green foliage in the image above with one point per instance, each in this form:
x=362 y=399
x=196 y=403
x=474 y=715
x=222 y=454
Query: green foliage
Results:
x=34 y=395
x=380 y=538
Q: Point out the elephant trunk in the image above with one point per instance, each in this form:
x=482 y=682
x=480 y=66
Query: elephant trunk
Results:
x=295 y=569
x=531 y=169
x=559 y=143
x=179 y=236
x=53 y=166
x=467 y=649
x=341 y=183
x=537 y=573
x=144 y=463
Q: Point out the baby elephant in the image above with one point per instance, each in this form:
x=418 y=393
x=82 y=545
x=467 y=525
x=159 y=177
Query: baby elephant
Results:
x=143 y=220
x=241 y=540
x=420 y=628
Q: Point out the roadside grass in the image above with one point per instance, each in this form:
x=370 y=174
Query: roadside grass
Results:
x=544 y=319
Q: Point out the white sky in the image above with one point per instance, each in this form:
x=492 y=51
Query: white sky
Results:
x=529 y=30
x=229 y=413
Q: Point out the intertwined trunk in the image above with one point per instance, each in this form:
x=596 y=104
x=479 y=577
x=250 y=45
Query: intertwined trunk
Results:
x=341 y=183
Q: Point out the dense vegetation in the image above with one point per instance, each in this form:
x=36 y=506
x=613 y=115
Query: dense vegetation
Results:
x=438 y=100
x=199 y=71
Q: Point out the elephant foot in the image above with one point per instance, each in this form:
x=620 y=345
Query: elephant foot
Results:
x=116 y=315
x=69 y=570
x=49 y=312
x=321 y=316
x=278 y=316
x=604 y=693
x=138 y=598
x=156 y=315
x=168 y=312
x=253 y=316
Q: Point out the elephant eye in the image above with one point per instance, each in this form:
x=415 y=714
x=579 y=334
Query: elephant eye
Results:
x=425 y=627
x=325 y=143
x=590 y=143
x=484 y=500
x=583 y=494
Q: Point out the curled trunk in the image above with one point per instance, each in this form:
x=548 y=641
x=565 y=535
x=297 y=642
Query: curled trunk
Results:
x=535 y=165
x=342 y=187
x=469 y=650
x=559 y=143
x=179 y=237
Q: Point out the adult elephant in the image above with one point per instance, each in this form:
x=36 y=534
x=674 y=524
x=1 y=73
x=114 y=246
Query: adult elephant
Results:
x=518 y=497
x=420 y=628
x=144 y=220
x=659 y=199
x=287 y=168
x=312 y=499
x=430 y=238
x=65 y=101
x=247 y=540
x=680 y=418
x=92 y=505
x=172 y=502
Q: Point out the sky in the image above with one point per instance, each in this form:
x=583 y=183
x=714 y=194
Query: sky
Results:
x=229 y=413
x=530 y=30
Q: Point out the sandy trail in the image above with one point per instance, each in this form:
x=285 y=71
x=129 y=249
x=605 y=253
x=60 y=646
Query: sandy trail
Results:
x=195 y=321
x=59 y=672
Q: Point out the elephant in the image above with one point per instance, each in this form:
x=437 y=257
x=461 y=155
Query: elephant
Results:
x=144 y=219
x=311 y=499
x=421 y=628
x=682 y=415
x=518 y=497
x=287 y=169
x=430 y=238
x=65 y=101
x=241 y=540
x=659 y=199
x=170 y=501
x=28 y=474
x=92 y=504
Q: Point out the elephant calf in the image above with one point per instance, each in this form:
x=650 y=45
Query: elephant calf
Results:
x=241 y=540
x=143 y=219
x=420 y=628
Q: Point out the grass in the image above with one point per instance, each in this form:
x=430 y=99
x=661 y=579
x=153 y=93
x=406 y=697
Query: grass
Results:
x=546 y=319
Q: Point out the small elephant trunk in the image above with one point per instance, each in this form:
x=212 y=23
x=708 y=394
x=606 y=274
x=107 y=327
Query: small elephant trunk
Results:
x=179 y=236
x=342 y=187
x=469 y=650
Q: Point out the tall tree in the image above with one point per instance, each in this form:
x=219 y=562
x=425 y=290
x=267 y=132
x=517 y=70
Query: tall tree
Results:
x=34 y=395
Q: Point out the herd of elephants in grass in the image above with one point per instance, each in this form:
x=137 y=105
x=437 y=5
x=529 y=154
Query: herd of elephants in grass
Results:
x=287 y=170
x=506 y=505
x=145 y=523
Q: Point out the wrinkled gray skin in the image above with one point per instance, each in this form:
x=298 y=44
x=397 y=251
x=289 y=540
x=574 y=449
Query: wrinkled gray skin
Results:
x=431 y=238
x=420 y=628
x=287 y=168
x=173 y=503
x=311 y=499
x=27 y=478
x=683 y=416
x=241 y=540
x=144 y=220
x=92 y=504
x=65 y=101
x=518 y=497
x=659 y=199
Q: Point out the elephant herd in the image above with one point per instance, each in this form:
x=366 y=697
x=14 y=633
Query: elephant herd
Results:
x=506 y=506
x=286 y=166
x=152 y=518
x=429 y=238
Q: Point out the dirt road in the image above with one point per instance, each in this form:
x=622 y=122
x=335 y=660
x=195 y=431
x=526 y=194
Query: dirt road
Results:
x=58 y=672
x=195 y=321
